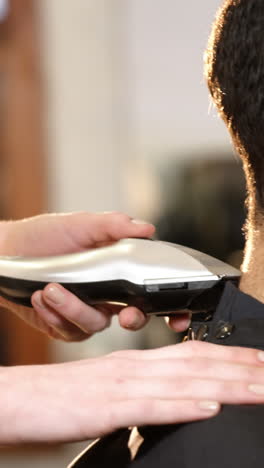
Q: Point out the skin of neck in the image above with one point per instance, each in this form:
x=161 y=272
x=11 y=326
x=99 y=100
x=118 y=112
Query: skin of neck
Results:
x=252 y=280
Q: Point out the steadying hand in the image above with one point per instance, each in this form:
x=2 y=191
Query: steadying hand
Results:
x=83 y=400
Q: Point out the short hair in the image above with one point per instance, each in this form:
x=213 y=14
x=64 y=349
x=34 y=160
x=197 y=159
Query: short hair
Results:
x=234 y=68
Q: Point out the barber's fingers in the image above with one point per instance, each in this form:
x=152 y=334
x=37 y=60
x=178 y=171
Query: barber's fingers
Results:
x=53 y=323
x=159 y=411
x=129 y=317
x=99 y=228
x=87 y=318
x=64 y=311
x=194 y=349
x=68 y=315
x=174 y=370
x=132 y=318
x=164 y=391
x=183 y=399
x=179 y=388
x=179 y=322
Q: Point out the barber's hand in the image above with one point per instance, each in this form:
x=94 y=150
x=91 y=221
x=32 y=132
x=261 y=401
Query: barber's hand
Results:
x=56 y=311
x=86 y=399
x=179 y=322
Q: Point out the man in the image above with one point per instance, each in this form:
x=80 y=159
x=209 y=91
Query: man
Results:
x=234 y=438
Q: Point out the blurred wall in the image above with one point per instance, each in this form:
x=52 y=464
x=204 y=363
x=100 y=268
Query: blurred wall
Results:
x=125 y=88
x=86 y=118
x=169 y=99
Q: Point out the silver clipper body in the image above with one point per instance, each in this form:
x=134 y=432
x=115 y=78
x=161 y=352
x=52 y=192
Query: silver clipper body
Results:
x=158 y=277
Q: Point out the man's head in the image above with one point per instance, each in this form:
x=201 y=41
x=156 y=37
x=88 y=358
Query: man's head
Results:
x=235 y=75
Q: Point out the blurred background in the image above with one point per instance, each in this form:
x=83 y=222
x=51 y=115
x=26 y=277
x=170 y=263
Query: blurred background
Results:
x=104 y=107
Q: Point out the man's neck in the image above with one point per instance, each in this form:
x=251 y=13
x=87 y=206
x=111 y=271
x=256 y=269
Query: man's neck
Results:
x=252 y=280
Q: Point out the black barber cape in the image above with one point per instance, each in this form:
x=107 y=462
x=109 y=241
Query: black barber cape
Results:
x=234 y=438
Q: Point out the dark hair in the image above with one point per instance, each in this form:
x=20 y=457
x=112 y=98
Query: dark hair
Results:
x=234 y=67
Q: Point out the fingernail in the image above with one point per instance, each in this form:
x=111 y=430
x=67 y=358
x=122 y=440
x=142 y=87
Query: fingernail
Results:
x=54 y=295
x=256 y=388
x=210 y=406
x=139 y=221
x=261 y=356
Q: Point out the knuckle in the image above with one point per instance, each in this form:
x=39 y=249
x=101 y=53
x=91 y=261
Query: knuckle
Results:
x=97 y=323
x=120 y=215
x=186 y=346
x=236 y=353
x=193 y=347
x=74 y=311
x=125 y=354
x=117 y=355
x=233 y=353
x=88 y=318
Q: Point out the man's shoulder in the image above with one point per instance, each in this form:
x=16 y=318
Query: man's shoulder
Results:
x=234 y=438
